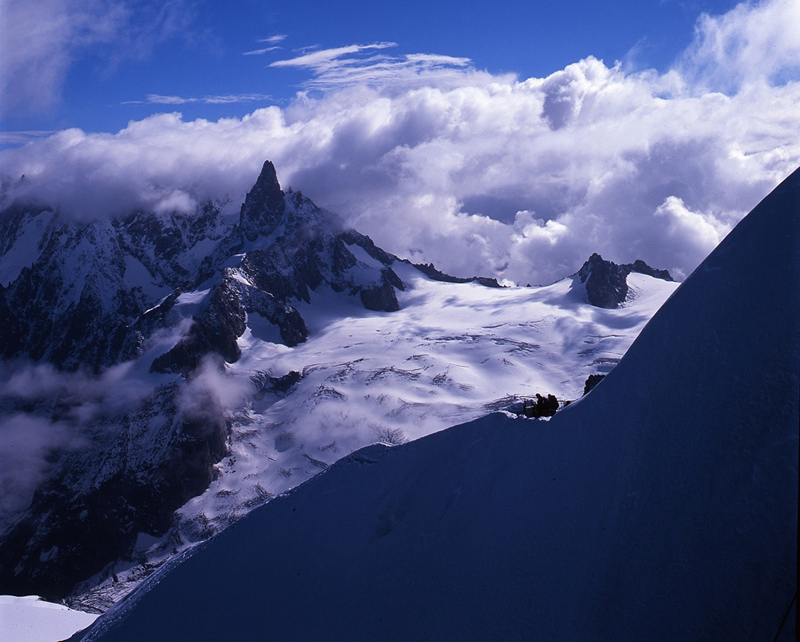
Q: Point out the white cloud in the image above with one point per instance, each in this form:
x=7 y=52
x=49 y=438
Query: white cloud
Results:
x=157 y=99
x=274 y=40
x=754 y=42
x=482 y=174
x=258 y=52
x=26 y=442
x=41 y=40
x=345 y=67
x=324 y=58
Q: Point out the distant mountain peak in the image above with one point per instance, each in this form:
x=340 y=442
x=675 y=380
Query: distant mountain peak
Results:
x=264 y=205
x=607 y=283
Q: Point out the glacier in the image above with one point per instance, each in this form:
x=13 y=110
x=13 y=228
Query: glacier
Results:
x=177 y=371
x=661 y=506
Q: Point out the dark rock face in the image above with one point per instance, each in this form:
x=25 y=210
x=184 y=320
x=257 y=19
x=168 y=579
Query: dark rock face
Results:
x=88 y=515
x=606 y=282
x=95 y=294
x=642 y=268
x=429 y=270
x=89 y=284
x=381 y=298
x=264 y=206
x=265 y=383
x=591 y=381
x=224 y=320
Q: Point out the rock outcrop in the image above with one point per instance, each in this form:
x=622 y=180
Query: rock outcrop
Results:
x=606 y=282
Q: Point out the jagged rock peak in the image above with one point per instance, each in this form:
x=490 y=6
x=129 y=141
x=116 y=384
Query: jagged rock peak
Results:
x=606 y=282
x=264 y=205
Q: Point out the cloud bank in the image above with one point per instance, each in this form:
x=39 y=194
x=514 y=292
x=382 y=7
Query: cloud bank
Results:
x=482 y=174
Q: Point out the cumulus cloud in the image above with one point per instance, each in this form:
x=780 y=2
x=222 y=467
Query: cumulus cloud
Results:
x=482 y=174
x=39 y=41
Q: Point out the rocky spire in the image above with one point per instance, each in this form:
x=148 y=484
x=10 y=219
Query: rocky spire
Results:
x=264 y=205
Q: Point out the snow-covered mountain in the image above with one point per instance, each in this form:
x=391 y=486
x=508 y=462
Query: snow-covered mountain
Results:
x=661 y=506
x=205 y=364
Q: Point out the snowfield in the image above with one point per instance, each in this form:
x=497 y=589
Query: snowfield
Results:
x=29 y=619
x=661 y=506
x=452 y=353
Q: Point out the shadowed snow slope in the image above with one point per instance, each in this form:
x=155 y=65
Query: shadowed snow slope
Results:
x=661 y=506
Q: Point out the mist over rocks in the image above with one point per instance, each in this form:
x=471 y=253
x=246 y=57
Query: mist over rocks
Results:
x=626 y=516
x=94 y=293
x=123 y=471
x=144 y=296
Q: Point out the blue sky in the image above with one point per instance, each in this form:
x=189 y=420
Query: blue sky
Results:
x=195 y=50
x=505 y=139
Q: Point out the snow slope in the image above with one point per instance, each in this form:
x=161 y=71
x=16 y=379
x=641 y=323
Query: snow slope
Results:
x=452 y=353
x=29 y=619
x=331 y=344
x=661 y=506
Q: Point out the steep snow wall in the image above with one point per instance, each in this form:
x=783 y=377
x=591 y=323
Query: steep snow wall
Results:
x=661 y=506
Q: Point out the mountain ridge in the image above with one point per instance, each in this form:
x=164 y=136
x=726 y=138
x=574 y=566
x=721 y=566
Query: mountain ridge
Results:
x=191 y=309
x=663 y=505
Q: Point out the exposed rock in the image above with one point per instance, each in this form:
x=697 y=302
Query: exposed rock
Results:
x=266 y=383
x=606 y=282
x=429 y=270
x=642 y=268
x=93 y=294
x=381 y=298
x=591 y=381
x=93 y=509
x=264 y=206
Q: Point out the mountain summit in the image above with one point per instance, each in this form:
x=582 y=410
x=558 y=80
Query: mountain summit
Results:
x=92 y=294
x=661 y=506
x=264 y=206
x=175 y=371
x=606 y=282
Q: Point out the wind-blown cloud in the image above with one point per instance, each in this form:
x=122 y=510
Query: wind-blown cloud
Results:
x=258 y=52
x=273 y=41
x=41 y=40
x=750 y=44
x=158 y=99
x=323 y=59
x=483 y=174
x=344 y=67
